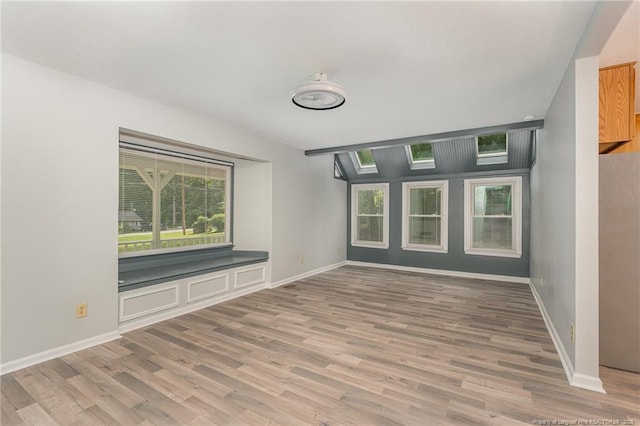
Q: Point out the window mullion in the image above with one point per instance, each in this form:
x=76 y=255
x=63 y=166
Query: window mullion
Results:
x=155 y=222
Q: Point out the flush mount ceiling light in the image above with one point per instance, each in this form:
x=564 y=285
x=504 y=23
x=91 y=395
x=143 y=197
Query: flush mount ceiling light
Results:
x=318 y=94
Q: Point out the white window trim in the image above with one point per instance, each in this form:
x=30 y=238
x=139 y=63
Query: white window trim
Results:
x=444 y=215
x=360 y=169
x=384 y=244
x=516 y=213
x=493 y=154
x=419 y=164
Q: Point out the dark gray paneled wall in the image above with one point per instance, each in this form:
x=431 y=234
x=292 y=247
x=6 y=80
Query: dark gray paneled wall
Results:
x=455 y=259
x=452 y=156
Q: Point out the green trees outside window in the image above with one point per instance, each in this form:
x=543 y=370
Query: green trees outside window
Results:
x=365 y=158
x=169 y=202
x=492 y=217
x=421 y=152
x=370 y=215
x=492 y=144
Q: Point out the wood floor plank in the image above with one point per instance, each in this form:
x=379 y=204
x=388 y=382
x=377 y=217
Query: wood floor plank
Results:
x=8 y=413
x=351 y=346
x=95 y=415
x=14 y=393
x=34 y=414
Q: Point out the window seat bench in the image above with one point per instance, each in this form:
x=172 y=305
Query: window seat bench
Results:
x=144 y=271
x=157 y=287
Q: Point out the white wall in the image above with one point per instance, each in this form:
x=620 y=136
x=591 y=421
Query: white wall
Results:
x=586 y=224
x=59 y=201
x=312 y=212
x=564 y=206
x=564 y=221
x=252 y=205
x=553 y=212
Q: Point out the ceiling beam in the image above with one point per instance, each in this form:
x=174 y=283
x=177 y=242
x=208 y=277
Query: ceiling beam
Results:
x=435 y=137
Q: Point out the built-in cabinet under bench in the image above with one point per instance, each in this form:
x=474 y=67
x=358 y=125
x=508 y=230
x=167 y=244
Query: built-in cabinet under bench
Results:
x=157 y=287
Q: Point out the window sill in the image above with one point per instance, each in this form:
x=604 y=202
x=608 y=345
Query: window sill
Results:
x=154 y=269
x=143 y=253
x=370 y=245
x=493 y=253
x=426 y=249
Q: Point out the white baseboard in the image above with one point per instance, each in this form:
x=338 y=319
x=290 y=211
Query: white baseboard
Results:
x=50 y=354
x=587 y=382
x=307 y=274
x=460 y=274
x=575 y=379
x=162 y=316
x=567 y=365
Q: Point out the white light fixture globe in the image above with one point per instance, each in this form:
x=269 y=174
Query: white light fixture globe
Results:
x=318 y=94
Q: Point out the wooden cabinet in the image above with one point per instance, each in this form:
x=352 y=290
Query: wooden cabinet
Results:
x=617 y=103
x=631 y=146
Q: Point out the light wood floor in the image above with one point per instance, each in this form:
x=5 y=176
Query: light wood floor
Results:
x=351 y=346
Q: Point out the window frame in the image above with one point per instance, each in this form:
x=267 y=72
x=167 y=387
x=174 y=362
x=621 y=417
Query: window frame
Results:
x=355 y=189
x=420 y=164
x=360 y=168
x=177 y=154
x=443 y=247
x=516 y=216
x=492 y=157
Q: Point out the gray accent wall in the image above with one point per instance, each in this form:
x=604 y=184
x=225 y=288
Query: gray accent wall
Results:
x=455 y=259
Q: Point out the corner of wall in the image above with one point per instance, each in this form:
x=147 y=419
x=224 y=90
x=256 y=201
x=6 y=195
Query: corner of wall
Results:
x=575 y=379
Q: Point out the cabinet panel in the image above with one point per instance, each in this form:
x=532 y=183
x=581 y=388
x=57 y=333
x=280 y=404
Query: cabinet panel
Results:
x=148 y=301
x=617 y=103
x=249 y=277
x=208 y=287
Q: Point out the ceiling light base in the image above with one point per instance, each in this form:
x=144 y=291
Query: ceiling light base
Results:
x=319 y=94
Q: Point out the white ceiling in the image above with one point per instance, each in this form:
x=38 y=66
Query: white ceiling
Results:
x=408 y=69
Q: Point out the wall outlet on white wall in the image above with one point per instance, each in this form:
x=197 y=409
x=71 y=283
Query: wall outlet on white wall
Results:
x=572 y=330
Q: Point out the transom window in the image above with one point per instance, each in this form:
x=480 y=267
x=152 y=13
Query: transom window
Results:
x=493 y=216
x=170 y=202
x=364 y=161
x=370 y=215
x=492 y=149
x=424 y=216
x=420 y=156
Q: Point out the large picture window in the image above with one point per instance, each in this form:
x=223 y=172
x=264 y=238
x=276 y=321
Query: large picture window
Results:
x=493 y=216
x=171 y=202
x=424 y=216
x=370 y=215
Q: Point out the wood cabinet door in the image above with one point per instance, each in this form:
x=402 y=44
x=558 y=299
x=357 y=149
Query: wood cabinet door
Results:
x=617 y=103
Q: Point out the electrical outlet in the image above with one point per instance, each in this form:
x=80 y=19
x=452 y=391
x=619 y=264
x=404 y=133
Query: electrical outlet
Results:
x=81 y=310
x=573 y=333
x=339 y=252
x=541 y=282
x=301 y=260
